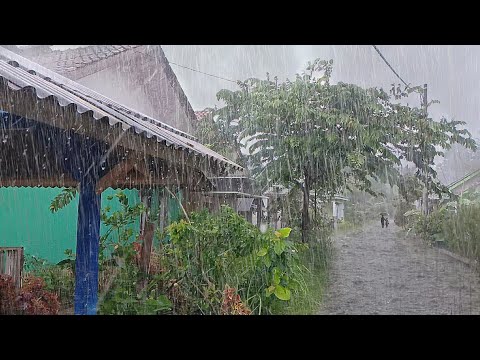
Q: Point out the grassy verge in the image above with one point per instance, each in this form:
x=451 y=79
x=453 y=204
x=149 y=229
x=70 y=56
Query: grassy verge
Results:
x=344 y=227
x=316 y=261
x=347 y=227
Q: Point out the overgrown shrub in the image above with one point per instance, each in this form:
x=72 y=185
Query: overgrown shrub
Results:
x=34 y=299
x=457 y=226
x=215 y=251
x=8 y=296
x=31 y=299
x=126 y=290
x=430 y=227
x=208 y=264
x=59 y=278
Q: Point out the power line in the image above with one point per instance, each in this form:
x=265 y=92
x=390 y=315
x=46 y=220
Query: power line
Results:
x=201 y=72
x=390 y=66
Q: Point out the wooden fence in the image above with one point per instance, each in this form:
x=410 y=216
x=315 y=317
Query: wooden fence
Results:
x=11 y=263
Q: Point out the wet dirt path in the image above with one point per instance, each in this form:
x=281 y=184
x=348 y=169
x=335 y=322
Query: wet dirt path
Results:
x=381 y=271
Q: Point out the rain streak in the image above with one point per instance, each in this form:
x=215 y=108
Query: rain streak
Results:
x=239 y=180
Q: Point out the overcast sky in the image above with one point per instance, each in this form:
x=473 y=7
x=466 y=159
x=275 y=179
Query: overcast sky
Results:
x=451 y=71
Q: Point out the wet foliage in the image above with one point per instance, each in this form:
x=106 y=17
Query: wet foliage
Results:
x=314 y=134
x=214 y=252
x=31 y=299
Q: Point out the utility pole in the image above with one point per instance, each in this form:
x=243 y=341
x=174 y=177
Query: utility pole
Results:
x=425 y=188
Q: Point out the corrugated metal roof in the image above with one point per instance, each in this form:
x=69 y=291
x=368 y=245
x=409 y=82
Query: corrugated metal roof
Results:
x=20 y=74
x=238 y=193
x=461 y=181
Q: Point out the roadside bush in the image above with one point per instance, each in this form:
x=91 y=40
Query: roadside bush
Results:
x=429 y=227
x=221 y=251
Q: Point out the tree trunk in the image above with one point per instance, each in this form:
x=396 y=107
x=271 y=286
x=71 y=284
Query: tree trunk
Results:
x=147 y=245
x=146 y=232
x=305 y=217
x=425 y=201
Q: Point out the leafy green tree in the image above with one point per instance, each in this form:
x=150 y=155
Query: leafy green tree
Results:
x=410 y=188
x=317 y=135
x=219 y=129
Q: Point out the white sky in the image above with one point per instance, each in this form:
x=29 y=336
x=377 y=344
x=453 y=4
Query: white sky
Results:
x=451 y=71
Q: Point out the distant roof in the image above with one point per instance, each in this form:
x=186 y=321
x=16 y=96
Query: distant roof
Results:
x=66 y=61
x=238 y=193
x=231 y=177
x=461 y=181
x=201 y=114
x=20 y=75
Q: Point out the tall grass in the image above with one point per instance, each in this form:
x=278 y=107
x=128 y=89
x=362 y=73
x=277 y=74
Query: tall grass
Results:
x=462 y=231
x=316 y=261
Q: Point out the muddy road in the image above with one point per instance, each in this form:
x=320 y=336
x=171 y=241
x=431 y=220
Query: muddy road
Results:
x=381 y=271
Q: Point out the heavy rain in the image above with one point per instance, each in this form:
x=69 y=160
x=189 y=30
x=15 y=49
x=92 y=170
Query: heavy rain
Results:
x=239 y=180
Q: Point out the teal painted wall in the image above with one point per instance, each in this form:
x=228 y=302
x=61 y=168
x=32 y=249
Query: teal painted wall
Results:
x=25 y=220
x=174 y=209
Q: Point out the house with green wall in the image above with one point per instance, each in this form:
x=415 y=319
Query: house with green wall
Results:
x=138 y=76
x=26 y=220
x=59 y=133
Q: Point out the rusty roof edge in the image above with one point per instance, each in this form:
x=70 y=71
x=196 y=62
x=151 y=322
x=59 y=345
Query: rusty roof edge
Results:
x=147 y=50
x=167 y=136
x=31 y=65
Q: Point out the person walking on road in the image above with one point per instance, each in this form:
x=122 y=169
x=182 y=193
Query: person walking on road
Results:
x=382 y=220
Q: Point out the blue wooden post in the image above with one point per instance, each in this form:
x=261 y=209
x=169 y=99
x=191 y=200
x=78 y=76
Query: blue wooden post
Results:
x=86 y=265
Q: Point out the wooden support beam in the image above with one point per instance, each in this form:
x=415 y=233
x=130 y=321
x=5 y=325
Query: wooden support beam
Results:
x=118 y=175
x=259 y=211
x=65 y=181
x=134 y=173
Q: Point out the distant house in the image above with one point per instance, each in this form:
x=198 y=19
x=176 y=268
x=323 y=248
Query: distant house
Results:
x=239 y=193
x=468 y=182
x=56 y=132
x=138 y=76
x=238 y=190
x=276 y=194
x=280 y=192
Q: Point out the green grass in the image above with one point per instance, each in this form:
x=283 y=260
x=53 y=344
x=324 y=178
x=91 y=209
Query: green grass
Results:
x=309 y=302
x=344 y=227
